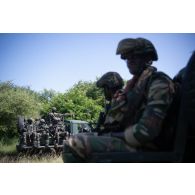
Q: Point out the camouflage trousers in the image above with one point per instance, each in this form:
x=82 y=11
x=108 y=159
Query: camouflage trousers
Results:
x=81 y=147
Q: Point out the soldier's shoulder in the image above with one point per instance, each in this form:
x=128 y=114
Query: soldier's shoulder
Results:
x=159 y=81
x=160 y=77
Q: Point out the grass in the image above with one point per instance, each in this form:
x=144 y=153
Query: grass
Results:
x=8 y=154
x=8 y=148
x=22 y=158
x=30 y=159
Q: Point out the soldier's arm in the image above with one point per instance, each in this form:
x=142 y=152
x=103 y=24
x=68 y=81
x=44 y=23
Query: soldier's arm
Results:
x=68 y=114
x=24 y=129
x=159 y=98
x=100 y=122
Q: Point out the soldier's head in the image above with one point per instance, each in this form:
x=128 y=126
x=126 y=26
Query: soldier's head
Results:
x=30 y=121
x=138 y=53
x=110 y=82
x=42 y=120
x=53 y=109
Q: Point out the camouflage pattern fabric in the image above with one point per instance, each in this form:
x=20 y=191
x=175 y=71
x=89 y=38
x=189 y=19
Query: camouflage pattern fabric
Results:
x=111 y=80
x=136 y=46
x=83 y=145
x=151 y=90
x=27 y=134
x=139 y=111
x=54 y=117
x=153 y=110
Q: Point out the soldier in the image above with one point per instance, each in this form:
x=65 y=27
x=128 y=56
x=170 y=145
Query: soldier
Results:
x=43 y=131
x=111 y=82
x=36 y=123
x=42 y=124
x=54 y=116
x=55 y=119
x=139 y=111
x=28 y=131
x=57 y=128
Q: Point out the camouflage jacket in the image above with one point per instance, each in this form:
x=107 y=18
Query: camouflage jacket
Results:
x=54 y=117
x=142 y=105
x=29 y=128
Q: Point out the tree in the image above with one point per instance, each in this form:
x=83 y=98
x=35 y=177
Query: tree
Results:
x=84 y=100
x=15 y=101
x=46 y=95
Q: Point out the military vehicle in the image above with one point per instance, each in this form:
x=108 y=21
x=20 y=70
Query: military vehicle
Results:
x=182 y=140
x=39 y=135
x=77 y=126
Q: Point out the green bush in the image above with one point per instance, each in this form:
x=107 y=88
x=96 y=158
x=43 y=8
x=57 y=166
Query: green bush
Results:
x=84 y=100
x=15 y=101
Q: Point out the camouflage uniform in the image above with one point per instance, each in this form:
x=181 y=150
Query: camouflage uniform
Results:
x=111 y=82
x=54 y=116
x=43 y=132
x=138 y=111
x=54 y=119
x=28 y=131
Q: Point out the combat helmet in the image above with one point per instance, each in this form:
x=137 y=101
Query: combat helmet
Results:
x=138 y=46
x=53 y=109
x=30 y=120
x=42 y=120
x=111 y=80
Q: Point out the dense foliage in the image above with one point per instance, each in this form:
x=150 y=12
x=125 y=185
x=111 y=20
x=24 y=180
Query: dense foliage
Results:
x=15 y=101
x=84 y=100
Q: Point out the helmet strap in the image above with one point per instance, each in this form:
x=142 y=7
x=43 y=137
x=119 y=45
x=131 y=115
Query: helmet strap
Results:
x=149 y=63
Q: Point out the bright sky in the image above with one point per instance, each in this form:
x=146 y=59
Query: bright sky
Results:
x=58 y=61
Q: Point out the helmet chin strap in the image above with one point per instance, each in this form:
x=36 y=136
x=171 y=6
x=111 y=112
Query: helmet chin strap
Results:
x=149 y=63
